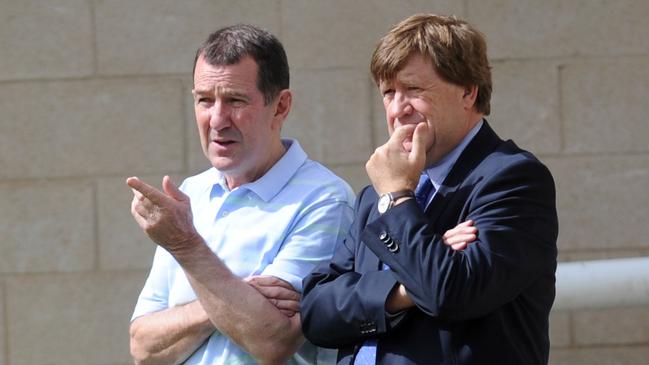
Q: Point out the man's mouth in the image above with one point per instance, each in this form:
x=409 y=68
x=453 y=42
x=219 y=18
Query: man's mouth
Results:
x=223 y=142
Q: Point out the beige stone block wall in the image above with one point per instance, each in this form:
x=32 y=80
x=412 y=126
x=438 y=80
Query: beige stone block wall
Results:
x=625 y=355
x=346 y=32
x=93 y=91
x=47 y=227
x=79 y=318
x=90 y=127
x=525 y=104
x=331 y=115
x=588 y=184
x=556 y=28
x=3 y=349
x=46 y=39
x=154 y=37
x=605 y=105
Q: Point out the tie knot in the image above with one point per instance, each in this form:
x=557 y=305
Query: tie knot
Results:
x=422 y=192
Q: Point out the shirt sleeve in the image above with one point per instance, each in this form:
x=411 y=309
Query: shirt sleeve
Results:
x=155 y=294
x=312 y=241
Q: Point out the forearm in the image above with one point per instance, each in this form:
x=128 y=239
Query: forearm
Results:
x=515 y=246
x=238 y=310
x=344 y=308
x=169 y=336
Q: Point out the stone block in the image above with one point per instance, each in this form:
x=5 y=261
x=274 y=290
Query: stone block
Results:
x=605 y=106
x=354 y=174
x=319 y=34
x=45 y=39
x=542 y=29
x=331 y=115
x=602 y=201
x=151 y=36
x=80 y=318
x=630 y=355
x=97 y=127
x=3 y=350
x=380 y=133
x=122 y=244
x=560 y=332
x=525 y=104
x=617 y=326
x=47 y=227
x=197 y=161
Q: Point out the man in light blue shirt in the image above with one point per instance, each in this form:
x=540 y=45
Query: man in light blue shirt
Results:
x=235 y=241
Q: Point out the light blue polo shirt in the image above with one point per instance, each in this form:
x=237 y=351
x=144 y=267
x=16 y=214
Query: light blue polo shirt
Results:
x=283 y=224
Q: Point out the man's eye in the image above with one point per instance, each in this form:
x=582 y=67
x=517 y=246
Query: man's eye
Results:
x=388 y=92
x=237 y=102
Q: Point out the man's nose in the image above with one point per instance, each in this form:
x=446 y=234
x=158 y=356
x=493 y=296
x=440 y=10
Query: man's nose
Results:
x=400 y=106
x=219 y=116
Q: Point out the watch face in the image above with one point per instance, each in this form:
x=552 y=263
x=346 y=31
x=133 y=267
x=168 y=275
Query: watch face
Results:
x=384 y=203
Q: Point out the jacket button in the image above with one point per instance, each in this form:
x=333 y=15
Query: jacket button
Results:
x=367 y=328
x=394 y=247
x=384 y=237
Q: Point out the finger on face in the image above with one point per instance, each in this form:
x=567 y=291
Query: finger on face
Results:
x=419 y=140
x=402 y=133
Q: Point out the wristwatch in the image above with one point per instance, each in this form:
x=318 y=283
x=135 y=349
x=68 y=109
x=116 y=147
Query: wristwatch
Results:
x=387 y=200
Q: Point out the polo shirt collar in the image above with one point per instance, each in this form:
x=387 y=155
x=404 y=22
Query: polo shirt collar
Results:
x=272 y=182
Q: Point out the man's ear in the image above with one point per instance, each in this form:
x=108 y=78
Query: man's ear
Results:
x=470 y=95
x=283 y=105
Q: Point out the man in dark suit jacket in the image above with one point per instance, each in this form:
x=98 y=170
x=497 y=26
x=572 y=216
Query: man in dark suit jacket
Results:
x=394 y=293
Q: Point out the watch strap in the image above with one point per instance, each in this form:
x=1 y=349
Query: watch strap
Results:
x=400 y=194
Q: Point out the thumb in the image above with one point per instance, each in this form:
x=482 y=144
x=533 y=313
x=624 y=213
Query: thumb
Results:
x=418 y=152
x=172 y=190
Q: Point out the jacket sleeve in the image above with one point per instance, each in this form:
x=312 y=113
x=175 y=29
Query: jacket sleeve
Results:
x=514 y=211
x=339 y=305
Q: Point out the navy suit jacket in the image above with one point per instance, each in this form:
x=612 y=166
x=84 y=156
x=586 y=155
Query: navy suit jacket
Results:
x=488 y=304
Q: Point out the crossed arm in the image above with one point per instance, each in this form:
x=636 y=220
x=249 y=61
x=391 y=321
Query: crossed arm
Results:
x=230 y=304
x=268 y=331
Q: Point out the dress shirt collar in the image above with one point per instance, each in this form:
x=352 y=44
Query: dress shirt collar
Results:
x=437 y=172
x=267 y=186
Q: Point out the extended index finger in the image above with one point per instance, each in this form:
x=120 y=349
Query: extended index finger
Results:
x=151 y=193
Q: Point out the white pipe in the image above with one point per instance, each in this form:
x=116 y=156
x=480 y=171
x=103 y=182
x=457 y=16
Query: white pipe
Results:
x=602 y=284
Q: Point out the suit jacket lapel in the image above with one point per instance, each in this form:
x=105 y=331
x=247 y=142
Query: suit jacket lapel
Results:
x=484 y=142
